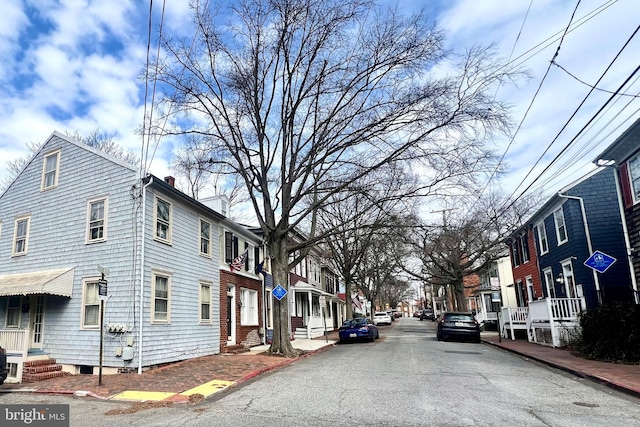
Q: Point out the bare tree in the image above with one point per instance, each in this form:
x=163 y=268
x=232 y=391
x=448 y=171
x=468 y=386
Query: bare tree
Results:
x=310 y=96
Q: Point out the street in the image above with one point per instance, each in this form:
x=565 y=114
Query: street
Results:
x=406 y=378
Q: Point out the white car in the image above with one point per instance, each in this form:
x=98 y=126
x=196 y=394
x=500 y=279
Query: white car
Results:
x=381 y=318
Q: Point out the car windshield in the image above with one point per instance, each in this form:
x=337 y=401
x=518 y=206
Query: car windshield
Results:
x=355 y=322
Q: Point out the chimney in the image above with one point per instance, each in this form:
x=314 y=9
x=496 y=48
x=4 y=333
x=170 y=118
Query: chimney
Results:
x=170 y=180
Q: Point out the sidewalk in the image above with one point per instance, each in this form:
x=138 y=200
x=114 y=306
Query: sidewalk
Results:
x=181 y=382
x=622 y=377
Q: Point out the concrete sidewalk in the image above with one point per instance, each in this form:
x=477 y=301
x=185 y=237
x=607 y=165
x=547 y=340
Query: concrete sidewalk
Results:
x=620 y=376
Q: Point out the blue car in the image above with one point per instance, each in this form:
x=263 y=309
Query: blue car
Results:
x=361 y=328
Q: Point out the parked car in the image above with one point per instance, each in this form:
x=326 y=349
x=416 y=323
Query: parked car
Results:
x=417 y=313
x=360 y=328
x=390 y=313
x=462 y=325
x=382 y=318
x=3 y=365
x=397 y=314
x=427 y=314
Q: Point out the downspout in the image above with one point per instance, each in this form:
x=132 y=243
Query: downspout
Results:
x=625 y=232
x=144 y=210
x=588 y=235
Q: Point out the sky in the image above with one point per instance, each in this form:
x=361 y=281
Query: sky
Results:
x=76 y=65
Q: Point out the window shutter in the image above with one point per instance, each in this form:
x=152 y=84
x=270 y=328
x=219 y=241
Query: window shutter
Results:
x=627 y=195
x=228 y=247
x=246 y=260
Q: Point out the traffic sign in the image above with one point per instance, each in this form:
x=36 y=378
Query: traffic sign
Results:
x=279 y=292
x=102 y=288
x=600 y=261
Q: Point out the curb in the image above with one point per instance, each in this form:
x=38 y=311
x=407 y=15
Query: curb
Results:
x=595 y=378
x=288 y=361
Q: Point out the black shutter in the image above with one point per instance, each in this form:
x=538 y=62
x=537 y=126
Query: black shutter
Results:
x=228 y=247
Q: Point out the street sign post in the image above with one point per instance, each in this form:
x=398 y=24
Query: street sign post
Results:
x=599 y=261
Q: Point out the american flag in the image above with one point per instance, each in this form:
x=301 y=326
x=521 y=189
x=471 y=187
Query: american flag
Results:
x=238 y=262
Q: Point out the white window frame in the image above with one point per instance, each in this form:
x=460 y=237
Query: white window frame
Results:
x=155 y=276
x=549 y=282
x=45 y=173
x=559 y=214
x=249 y=308
x=205 y=302
x=569 y=279
x=633 y=166
x=542 y=238
x=530 y=290
x=161 y=221
x=524 y=248
x=24 y=238
x=105 y=210
x=90 y=298
x=15 y=310
x=202 y=239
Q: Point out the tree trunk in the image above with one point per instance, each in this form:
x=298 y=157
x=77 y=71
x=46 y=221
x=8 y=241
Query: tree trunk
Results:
x=281 y=341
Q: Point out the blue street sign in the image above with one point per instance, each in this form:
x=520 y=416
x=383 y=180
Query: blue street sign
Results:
x=600 y=261
x=279 y=292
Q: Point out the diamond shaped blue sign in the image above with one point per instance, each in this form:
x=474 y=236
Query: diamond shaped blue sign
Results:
x=600 y=261
x=279 y=292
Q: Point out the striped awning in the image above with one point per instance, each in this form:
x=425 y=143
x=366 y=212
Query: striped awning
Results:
x=47 y=282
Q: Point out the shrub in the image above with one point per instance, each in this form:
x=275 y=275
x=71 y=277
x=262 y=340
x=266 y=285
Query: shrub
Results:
x=611 y=332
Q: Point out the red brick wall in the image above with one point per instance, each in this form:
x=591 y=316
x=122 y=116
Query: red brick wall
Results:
x=239 y=281
x=529 y=268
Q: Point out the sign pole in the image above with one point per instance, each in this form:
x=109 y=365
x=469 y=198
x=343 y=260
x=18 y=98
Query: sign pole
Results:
x=101 y=336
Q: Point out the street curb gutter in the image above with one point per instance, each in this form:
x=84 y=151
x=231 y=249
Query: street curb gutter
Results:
x=595 y=378
x=286 y=362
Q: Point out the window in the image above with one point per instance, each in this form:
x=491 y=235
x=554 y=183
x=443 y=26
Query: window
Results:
x=315 y=305
x=50 y=170
x=205 y=238
x=230 y=247
x=542 y=238
x=90 y=305
x=524 y=248
x=531 y=293
x=205 y=302
x=561 y=229
x=569 y=283
x=249 y=309
x=160 y=303
x=634 y=172
x=21 y=236
x=13 y=311
x=515 y=256
x=163 y=220
x=96 y=220
x=548 y=282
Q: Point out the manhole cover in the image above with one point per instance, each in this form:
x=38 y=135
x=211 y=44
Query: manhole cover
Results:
x=588 y=405
x=462 y=352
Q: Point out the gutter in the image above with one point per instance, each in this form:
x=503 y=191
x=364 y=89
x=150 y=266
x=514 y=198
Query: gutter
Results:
x=588 y=235
x=144 y=210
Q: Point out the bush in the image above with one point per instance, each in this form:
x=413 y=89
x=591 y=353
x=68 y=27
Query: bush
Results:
x=611 y=332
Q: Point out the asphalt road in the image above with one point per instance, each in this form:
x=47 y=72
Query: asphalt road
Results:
x=406 y=378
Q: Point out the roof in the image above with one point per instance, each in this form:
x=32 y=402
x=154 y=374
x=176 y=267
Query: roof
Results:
x=623 y=147
x=47 y=282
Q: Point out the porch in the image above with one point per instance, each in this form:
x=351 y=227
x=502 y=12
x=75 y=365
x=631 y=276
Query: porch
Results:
x=25 y=364
x=551 y=321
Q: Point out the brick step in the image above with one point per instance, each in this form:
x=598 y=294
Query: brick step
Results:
x=31 y=378
x=39 y=362
x=236 y=349
x=41 y=368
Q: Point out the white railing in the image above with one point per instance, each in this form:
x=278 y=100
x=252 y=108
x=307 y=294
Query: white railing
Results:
x=482 y=316
x=16 y=344
x=559 y=317
x=513 y=318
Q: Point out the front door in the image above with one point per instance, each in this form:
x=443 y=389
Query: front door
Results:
x=36 y=320
x=231 y=314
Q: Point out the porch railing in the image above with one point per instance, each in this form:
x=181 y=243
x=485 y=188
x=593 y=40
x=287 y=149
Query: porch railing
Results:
x=16 y=344
x=513 y=318
x=559 y=316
